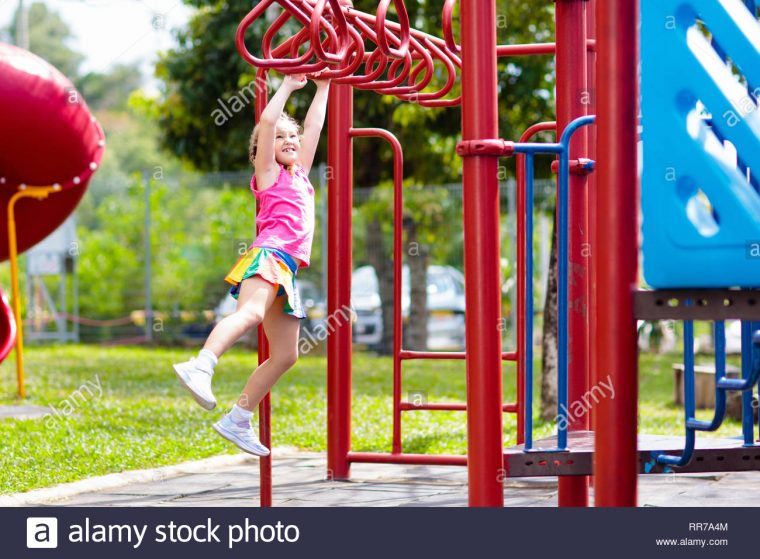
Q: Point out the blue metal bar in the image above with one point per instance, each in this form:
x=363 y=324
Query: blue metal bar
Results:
x=750 y=373
x=756 y=367
x=745 y=383
x=573 y=127
x=529 y=301
x=748 y=424
x=720 y=373
x=562 y=149
x=756 y=364
x=534 y=148
x=562 y=262
x=689 y=404
x=563 y=185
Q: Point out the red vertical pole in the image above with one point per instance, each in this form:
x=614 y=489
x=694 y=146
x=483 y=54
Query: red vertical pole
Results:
x=615 y=460
x=265 y=406
x=572 y=91
x=591 y=185
x=485 y=458
x=340 y=116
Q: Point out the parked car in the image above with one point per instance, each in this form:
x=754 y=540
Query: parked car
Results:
x=314 y=304
x=445 y=303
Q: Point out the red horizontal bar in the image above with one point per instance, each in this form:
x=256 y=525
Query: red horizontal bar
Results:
x=407 y=354
x=535 y=48
x=406 y=406
x=523 y=50
x=582 y=166
x=421 y=459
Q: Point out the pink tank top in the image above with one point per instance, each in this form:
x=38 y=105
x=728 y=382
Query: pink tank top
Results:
x=286 y=214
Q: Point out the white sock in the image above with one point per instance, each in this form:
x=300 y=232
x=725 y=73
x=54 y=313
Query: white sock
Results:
x=240 y=416
x=207 y=361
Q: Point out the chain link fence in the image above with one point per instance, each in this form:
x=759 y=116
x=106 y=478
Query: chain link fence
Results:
x=151 y=251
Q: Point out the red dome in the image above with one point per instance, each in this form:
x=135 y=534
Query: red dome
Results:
x=47 y=137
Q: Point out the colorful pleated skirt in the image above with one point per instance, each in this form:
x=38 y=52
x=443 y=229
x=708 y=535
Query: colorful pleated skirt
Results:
x=275 y=267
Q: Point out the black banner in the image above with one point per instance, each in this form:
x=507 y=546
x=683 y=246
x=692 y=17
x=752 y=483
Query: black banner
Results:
x=114 y=533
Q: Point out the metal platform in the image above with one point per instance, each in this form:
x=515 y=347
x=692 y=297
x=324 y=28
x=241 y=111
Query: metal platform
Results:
x=711 y=455
x=705 y=304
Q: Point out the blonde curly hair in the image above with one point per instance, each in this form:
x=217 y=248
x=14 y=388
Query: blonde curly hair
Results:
x=284 y=118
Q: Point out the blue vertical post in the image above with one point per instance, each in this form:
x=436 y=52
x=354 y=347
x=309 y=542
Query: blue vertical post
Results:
x=562 y=262
x=529 y=301
x=720 y=374
x=748 y=422
x=689 y=400
x=756 y=365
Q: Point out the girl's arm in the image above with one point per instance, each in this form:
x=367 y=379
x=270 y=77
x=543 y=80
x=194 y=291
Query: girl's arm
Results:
x=265 y=162
x=312 y=126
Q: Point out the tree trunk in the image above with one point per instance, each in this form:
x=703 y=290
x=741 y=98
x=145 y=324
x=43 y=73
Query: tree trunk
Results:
x=376 y=255
x=549 y=343
x=418 y=311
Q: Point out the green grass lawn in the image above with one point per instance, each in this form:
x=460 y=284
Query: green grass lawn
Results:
x=135 y=415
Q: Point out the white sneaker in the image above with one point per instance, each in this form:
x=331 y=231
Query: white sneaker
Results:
x=243 y=437
x=197 y=381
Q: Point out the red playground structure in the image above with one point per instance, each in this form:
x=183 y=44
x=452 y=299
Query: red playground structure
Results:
x=596 y=52
x=50 y=147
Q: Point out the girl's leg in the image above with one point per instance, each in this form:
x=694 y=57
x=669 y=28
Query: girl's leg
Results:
x=256 y=296
x=282 y=332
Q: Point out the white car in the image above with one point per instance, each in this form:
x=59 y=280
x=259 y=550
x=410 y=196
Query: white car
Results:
x=445 y=303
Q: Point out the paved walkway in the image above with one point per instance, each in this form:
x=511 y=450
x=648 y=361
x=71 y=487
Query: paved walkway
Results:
x=233 y=481
x=24 y=412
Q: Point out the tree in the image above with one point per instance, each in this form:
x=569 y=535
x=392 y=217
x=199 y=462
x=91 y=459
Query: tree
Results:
x=48 y=38
x=550 y=338
x=110 y=91
x=193 y=243
x=198 y=75
x=205 y=72
x=427 y=213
